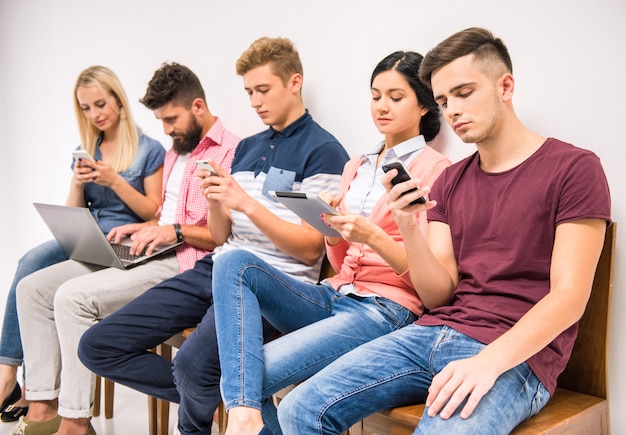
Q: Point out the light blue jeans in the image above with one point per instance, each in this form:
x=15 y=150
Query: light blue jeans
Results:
x=396 y=370
x=42 y=256
x=322 y=325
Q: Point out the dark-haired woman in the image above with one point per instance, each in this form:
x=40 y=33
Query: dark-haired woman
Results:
x=370 y=296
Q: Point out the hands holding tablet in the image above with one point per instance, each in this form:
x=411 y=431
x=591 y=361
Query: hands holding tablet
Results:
x=353 y=227
x=320 y=212
x=310 y=208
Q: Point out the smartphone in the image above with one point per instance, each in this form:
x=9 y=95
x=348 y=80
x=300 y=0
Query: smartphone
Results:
x=403 y=175
x=82 y=154
x=205 y=165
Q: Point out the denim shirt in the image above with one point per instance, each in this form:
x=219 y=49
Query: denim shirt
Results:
x=106 y=207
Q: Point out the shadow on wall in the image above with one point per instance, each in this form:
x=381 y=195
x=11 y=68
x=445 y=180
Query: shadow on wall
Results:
x=449 y=144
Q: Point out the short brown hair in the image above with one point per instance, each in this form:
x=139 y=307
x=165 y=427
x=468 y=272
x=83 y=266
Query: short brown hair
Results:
x=280 y=53
x=474 y=40
x=174 y=83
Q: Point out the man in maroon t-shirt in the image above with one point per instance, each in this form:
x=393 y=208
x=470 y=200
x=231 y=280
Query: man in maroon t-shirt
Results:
x=516 y=231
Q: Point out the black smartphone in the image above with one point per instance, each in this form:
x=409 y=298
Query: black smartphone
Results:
x=403 y=175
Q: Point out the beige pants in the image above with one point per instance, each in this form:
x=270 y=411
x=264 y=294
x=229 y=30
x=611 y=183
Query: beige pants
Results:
x=56 y=305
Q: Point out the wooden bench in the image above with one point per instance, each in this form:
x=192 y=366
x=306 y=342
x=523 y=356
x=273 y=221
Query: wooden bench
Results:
x=108 y=390
x=159 y=409
x=580 y=402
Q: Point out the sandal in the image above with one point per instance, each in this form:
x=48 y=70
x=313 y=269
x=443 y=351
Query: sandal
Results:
x=13 y=413
x=15 y=395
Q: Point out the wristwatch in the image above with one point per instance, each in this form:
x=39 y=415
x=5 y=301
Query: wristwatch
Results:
x=179 y=233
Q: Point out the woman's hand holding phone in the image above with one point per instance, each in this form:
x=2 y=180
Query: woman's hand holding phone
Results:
x=82 y=155
x=83 y=167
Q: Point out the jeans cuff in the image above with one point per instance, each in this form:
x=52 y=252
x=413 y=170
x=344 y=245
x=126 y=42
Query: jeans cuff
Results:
x=243 y=402
x=7 y=361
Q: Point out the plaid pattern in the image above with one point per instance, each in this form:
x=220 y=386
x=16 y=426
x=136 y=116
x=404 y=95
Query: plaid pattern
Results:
x=191 y=209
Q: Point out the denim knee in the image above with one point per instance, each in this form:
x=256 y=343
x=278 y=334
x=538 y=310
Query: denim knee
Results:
x=235 y=259
x=297 y=414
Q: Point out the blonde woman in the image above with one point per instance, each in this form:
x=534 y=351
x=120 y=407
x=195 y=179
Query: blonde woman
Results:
x=121 y=185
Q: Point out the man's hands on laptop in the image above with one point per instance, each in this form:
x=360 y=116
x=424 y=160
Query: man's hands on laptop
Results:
x=145 y=235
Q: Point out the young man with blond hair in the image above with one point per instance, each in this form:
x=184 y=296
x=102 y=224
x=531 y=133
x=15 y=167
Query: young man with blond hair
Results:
x=294 y=153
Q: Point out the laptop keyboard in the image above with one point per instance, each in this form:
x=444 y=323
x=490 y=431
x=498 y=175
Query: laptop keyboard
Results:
x=123 y=252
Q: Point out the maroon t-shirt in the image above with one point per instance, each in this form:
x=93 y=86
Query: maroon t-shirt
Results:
x=503 y=227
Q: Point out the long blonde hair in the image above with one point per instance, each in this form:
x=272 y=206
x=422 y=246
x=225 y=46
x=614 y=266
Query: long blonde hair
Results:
x=128 y=137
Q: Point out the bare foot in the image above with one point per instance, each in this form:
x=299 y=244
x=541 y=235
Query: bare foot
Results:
x=22 y=403
x=42 y=410
x=74 y=426
x=8 y=376
x=244 y=421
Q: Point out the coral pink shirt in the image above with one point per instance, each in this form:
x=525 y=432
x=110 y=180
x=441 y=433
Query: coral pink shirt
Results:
x=358 y=264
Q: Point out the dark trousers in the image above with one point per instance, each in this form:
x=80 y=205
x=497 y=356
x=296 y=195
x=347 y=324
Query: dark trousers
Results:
x=116 y=347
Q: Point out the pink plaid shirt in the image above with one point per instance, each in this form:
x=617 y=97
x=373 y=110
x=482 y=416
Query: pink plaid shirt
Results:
x=191 y=208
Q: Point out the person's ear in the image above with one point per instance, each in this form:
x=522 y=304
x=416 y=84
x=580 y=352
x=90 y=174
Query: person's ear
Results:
x=198 y=107
x=295 y=82
x=507 y=86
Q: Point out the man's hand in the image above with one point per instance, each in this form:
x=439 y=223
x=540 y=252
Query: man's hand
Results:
x=146 y=235
x=469 y=378
x=224 y=189
x=403 y=213
x=118 y=233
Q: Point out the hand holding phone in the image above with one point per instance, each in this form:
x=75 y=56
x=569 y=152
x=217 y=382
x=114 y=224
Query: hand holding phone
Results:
x=403 y=175
x=206 y=166
x=82 y=154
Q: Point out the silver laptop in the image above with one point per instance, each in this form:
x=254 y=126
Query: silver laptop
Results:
x=81 y=238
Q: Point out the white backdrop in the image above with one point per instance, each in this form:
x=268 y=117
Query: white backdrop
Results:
x=568 y=58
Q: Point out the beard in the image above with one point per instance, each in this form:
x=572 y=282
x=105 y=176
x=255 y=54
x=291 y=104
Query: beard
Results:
x=190 y=139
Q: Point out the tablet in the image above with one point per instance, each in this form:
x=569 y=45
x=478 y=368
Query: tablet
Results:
x=308 y=206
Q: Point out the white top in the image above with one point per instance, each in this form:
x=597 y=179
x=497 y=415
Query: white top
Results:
x=172 y=188
x=366 y=188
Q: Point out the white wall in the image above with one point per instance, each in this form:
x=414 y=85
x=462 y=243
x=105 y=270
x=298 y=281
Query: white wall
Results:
x=568 y=60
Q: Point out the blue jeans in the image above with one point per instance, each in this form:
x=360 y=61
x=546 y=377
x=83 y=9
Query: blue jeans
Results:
x=116 y=347
x=396 y=370
x=322 y=325
x=42 y=256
